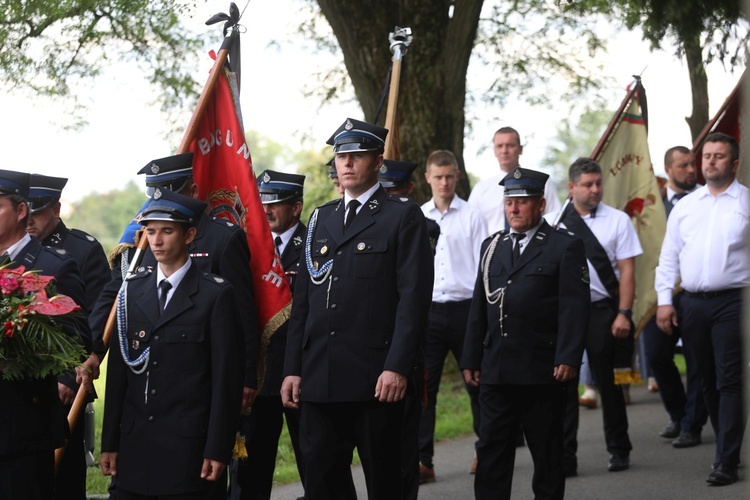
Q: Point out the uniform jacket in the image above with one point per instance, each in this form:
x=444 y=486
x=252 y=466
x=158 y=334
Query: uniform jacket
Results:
x=545 y=310
x=220 y=247
x=89 y=256
x=370 y=313
x=184 y=406
x=31 y=415
x=92 y=264
x=290 y=260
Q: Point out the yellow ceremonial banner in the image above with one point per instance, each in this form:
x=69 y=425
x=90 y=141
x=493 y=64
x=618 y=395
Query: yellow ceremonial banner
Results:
x=630 y=185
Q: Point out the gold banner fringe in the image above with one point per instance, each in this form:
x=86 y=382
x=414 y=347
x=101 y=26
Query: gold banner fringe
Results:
x=625 y=376
x=273 y=324
x=240 y=450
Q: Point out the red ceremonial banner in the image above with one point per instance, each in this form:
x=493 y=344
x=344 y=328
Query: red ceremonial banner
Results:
x=223 y=170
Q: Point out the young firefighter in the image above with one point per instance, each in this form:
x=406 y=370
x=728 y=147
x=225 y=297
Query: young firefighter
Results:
x=174 y=380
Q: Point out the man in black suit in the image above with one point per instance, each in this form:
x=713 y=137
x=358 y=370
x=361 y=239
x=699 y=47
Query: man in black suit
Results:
x=520 y=359
x=45 y=225
x=358 y=318
x=174 y=379
x=32 y=421
x=281 y=195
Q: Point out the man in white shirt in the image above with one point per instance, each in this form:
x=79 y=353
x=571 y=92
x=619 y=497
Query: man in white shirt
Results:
x=611 y=247
x=462 y=230
x=686 y=408
x=705 y=247
x=487 y=195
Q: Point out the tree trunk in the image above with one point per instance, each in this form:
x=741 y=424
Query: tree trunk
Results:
x=433 y=76
x=698 y=84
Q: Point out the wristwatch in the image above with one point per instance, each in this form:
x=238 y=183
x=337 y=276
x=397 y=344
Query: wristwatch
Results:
x=628 y=313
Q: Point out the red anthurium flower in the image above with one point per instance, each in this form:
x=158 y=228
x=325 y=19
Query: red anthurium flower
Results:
x=56 y=306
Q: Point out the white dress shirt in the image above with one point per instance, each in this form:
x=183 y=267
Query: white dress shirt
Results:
x=362 y=199
x=285 y=237
x=616 y=234
x=705 y=243
x=16 y=247
x=487 y=196
x=462 y=230
x=528 y=235
x=175 y=279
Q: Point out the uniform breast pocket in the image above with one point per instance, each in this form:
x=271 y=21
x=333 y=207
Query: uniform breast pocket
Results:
x=543 y=271
x=185 y=350
x=369 y=257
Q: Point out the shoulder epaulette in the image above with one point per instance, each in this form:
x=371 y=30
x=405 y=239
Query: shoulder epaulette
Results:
x=565 y=231
x=60 y=252
x=223 y=222
x=399 y=199
x=141 y=272
x=213 y=278
x=330 y=203
x=82 y=235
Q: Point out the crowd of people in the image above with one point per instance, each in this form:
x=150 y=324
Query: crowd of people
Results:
x=383 y=290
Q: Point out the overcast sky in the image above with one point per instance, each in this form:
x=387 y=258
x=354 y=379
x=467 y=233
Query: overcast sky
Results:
x=125 y=131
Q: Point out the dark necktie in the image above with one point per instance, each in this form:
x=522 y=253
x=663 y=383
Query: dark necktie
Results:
x=277 y=242
x=164 y=288
x=517 y=237
x=678 y=197
x=352 y=211
x=4 y=258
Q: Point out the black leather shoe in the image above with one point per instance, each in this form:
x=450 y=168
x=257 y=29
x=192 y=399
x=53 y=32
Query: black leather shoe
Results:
x=618 y=463
x=722 y=475
x=671 y=430
x=687 y=439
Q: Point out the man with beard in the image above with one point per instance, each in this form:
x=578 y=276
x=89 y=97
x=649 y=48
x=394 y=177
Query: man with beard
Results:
x=705 y=247
x=686 y=408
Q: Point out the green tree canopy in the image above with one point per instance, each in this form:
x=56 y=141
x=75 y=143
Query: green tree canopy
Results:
x=699 y=30
x=47 y=45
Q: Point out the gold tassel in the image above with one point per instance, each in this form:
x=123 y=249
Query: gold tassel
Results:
x=625 y=376
x=240 y=451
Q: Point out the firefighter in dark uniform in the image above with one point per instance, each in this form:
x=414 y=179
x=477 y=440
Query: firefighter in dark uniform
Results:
x=174 y=379
x=45 y=225
x=219 y=247
x=281 y=195
x=358 y=319
x=32 y=420
x=524 y=339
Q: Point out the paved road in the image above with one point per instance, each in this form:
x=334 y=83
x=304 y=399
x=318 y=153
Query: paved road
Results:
x=657 y=470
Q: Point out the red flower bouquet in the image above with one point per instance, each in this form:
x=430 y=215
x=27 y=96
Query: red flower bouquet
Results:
x=32 y=341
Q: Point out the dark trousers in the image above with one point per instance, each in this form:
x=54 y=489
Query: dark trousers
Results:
x=329 y=432
x=505 y=408
x=410 y=433
x=446 y=330
x=27 y=475
x=601 y=348
x=685 y=406
x=711 y=331
x=262 y=429
x=410 y=447
x=128 y=495
x=70 y=478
